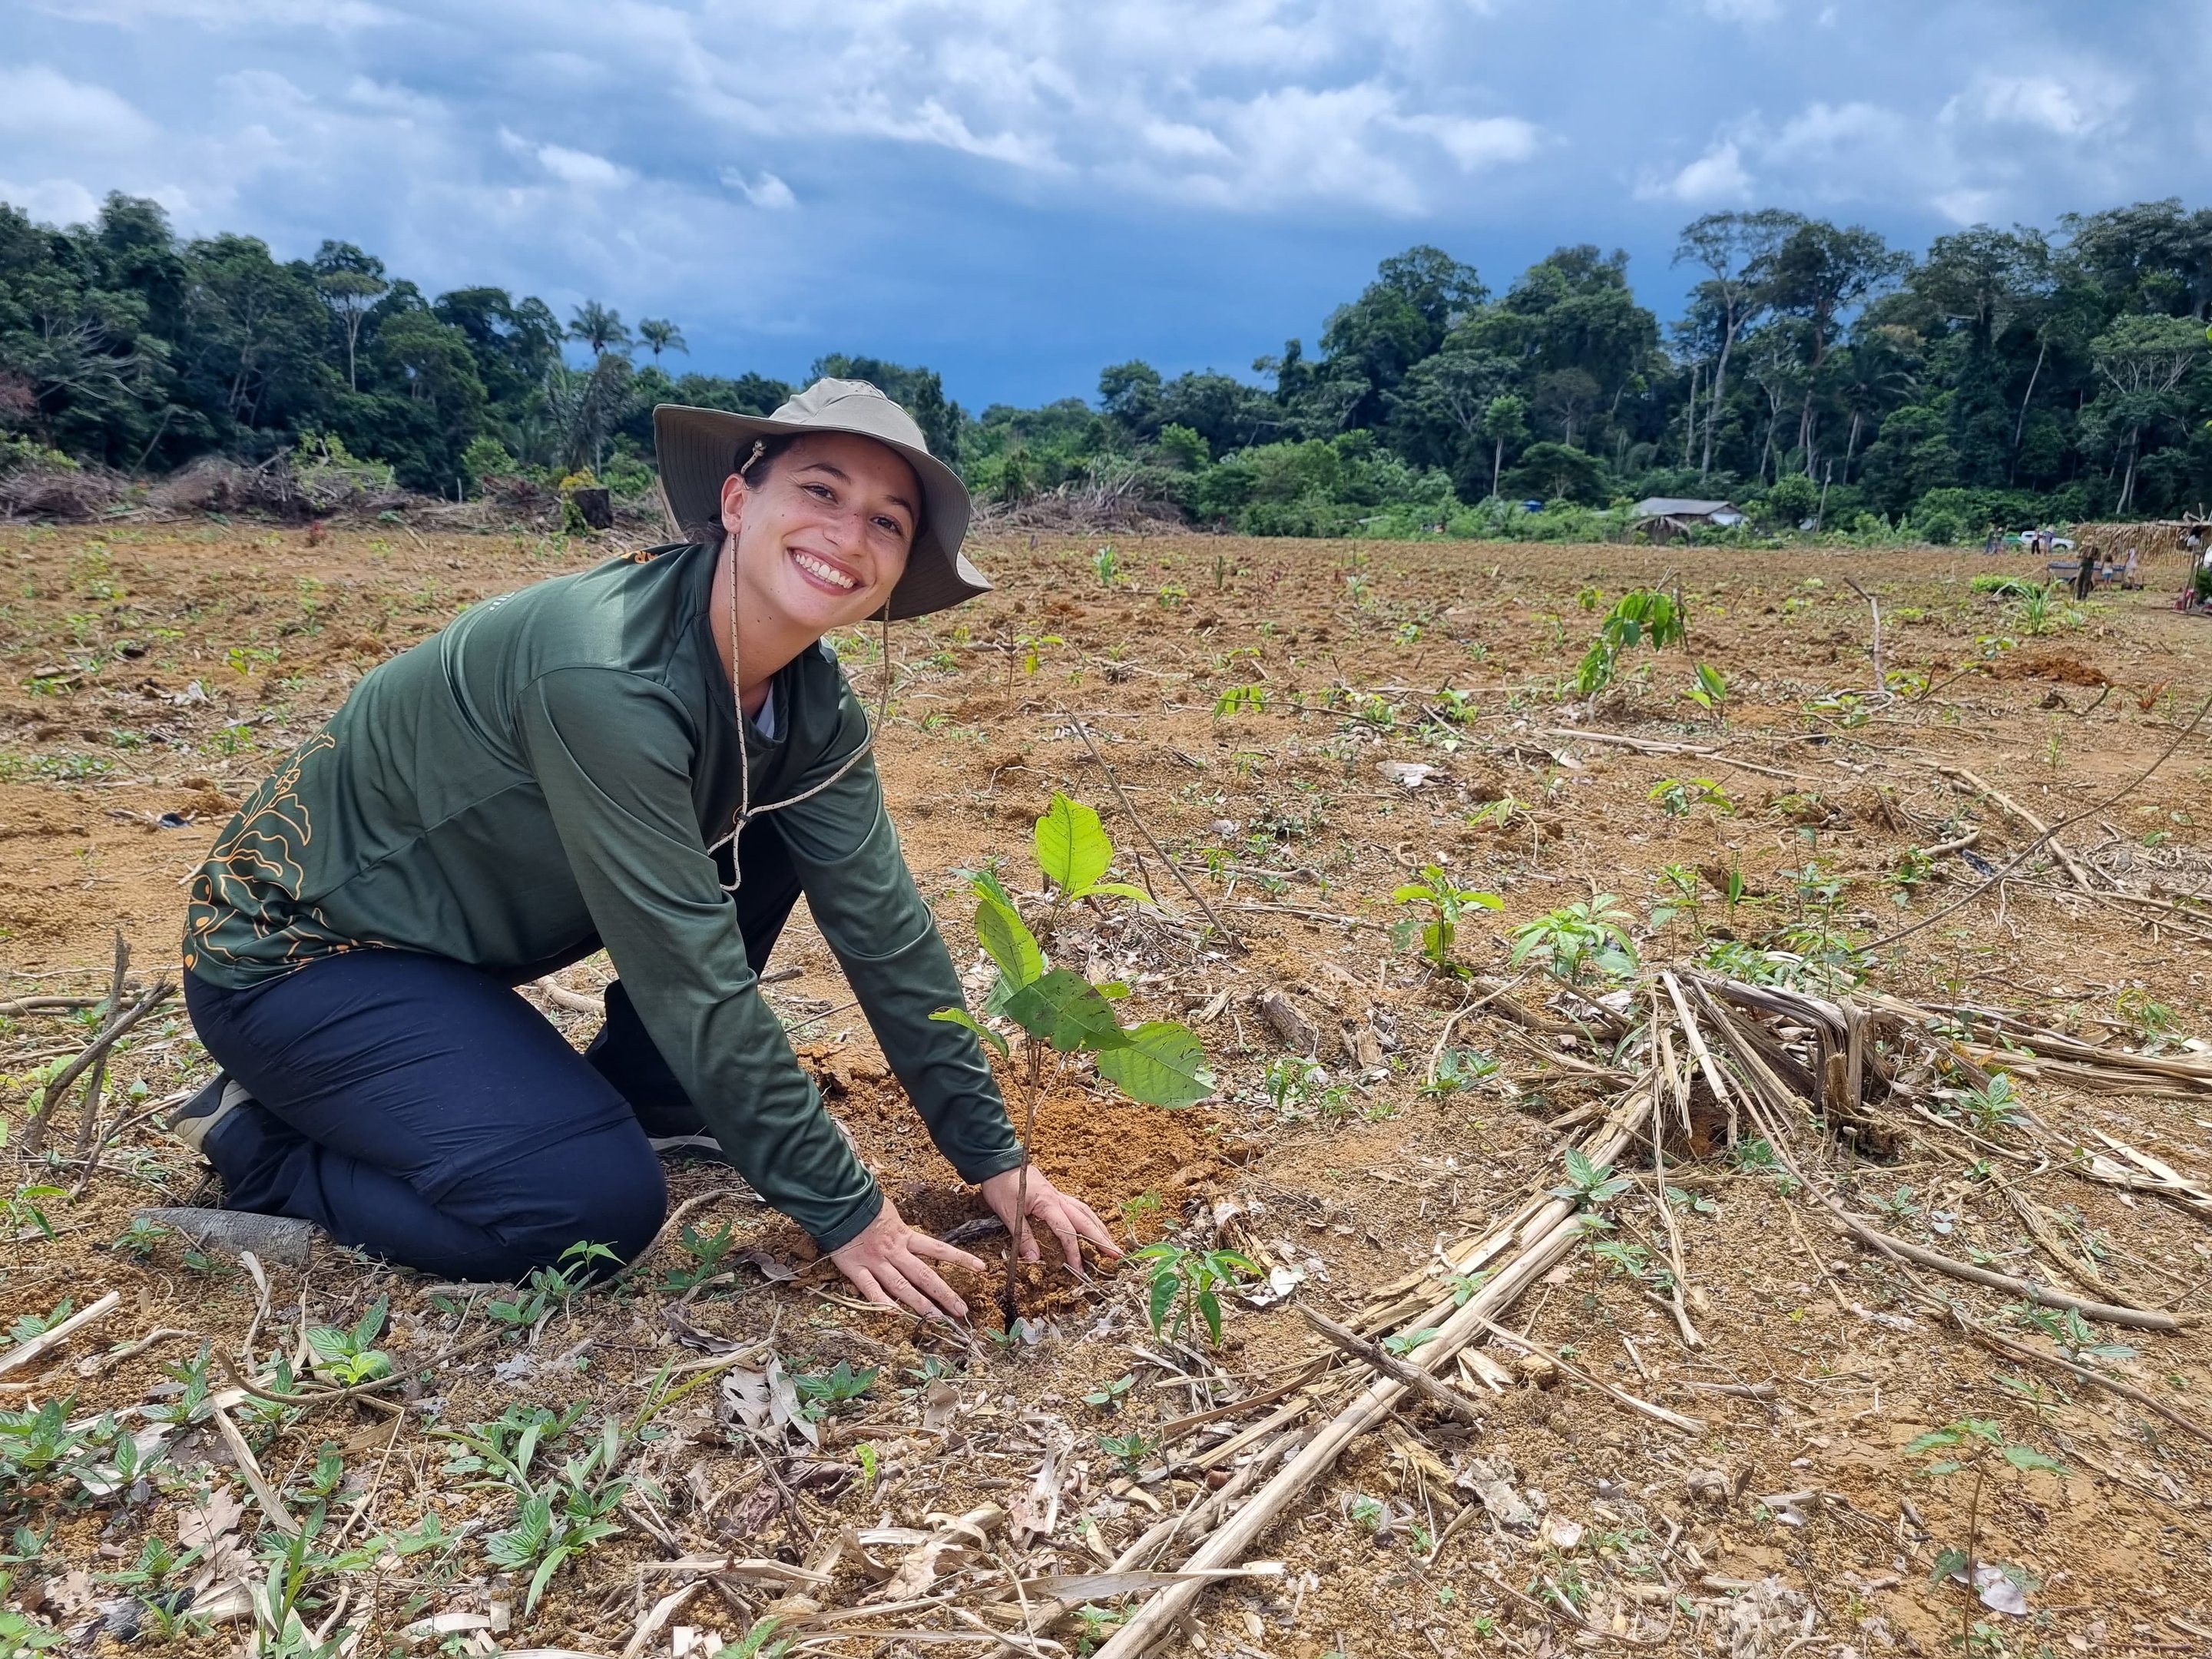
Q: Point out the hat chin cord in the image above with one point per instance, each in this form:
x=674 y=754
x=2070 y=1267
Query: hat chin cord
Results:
x=746 y=811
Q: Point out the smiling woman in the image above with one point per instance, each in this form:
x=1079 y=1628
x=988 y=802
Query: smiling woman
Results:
x=656 y=757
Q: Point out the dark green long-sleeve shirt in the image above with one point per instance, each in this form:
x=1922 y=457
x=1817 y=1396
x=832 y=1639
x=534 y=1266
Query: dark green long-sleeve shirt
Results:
x=546 y=774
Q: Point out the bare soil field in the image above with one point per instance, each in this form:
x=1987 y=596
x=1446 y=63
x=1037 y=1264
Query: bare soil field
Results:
x=1681 y=1383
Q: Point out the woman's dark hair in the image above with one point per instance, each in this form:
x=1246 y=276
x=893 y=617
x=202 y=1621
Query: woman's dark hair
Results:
x=754 y=459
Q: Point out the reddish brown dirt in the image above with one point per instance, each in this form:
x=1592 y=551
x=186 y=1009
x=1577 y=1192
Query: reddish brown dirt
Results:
x=107 y=632
x=2048 y=666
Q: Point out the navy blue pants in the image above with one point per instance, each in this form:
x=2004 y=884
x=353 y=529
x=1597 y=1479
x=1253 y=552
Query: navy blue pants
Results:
x=422 y=1110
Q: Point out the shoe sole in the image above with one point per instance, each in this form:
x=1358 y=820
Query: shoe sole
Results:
x=702 y=1147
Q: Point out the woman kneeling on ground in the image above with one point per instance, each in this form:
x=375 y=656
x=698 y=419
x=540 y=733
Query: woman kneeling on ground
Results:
x=656 y=757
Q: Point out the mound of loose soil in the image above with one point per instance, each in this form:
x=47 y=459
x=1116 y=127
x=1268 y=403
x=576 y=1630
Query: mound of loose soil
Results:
x=2048 y=666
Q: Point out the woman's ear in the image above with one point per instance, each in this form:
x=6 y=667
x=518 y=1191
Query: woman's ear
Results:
x=733 y=503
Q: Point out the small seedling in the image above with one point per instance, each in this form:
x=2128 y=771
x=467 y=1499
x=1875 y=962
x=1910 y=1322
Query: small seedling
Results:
x=28 y=1207
x=825 y=1391
x=1096 y=1623
x=709 y=1255
x=1108 y=1397
x=1590 y=1184
x=351 y=1358
x=1576 y=937
x=1459 y=1068
x=1445 y=901
x=934 y=1368
x=2076 y=1336
x=138 y=1240
x=549 y=1288
x=30 y=1326
x=1678 y=796
x=1638 y=613
x=1138 y=1211
x=1969 y=1444
x=1708 y=690
x=1185 y=1282
x=1464 y=1285
x=1996 y=1105
x=1129 y=1450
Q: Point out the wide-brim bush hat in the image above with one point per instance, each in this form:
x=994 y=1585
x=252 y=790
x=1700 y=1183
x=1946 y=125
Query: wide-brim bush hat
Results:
x=699 y=448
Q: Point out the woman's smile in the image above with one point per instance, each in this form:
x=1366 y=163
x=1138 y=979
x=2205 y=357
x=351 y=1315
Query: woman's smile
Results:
x=824 y=573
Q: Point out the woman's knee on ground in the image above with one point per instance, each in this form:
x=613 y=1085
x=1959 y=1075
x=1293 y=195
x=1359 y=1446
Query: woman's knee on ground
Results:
x=616 y=1199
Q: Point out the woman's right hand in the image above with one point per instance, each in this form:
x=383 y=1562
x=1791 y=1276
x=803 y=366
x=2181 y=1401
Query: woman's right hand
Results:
x=887 y=1262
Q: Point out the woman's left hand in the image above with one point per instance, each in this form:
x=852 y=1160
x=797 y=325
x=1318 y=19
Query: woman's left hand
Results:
x=1070 y=1220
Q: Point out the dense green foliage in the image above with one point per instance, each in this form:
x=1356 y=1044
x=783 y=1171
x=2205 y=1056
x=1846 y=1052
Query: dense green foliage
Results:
x=2003 y=377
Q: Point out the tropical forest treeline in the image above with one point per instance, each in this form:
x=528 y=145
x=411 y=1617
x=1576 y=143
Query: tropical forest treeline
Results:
x=1819 y=374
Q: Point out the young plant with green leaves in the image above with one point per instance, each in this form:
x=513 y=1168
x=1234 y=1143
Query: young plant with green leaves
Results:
x=1185 y=1282
x=825 y=1391
x=1441 y=903
x=1590 y=1183
x=1058 y=1012
x=1678 y=796
x=1640 y=614
x=1709 y=691
x=351 y=1358
x=1993 y=1106
x=552 y=1288
x=1967 y=1445
x=1578 y=937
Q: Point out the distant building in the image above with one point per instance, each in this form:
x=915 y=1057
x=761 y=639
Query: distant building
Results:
x=1665 y=517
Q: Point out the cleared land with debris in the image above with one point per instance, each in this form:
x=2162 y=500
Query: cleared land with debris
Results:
x=1681 y=1381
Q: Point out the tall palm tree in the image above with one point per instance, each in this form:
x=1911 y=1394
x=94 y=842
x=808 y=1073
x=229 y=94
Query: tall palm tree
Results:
x=662 y=335
x=597 y=326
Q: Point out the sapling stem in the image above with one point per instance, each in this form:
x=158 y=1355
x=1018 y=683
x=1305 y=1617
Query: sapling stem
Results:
x=1973 y=1577
x=1032 y=1085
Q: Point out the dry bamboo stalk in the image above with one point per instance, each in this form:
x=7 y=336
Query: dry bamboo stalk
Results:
x=1560 y=1232
x=1196 y=1519
x=1647 y=746
x=2102 y=1312
x=1658 y=1413
x=61 y=1332
x=22 y=1006
x=1444 y=1399
x=663 y=1610
x=2013 y=808
x=273 y=1505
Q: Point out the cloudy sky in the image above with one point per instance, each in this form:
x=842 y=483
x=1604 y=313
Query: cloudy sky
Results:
x=1019 y=192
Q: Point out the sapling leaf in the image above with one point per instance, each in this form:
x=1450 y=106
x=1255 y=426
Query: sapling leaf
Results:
x=1064 y=1009
x=2026 y=1457
x=1006 y=937
x=1072 y=848
x=985 y=883
x=1166 y=1283
x=1161 y=1064
x=962 y=1017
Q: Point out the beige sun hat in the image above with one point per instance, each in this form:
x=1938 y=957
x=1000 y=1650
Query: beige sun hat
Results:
x=699 y=448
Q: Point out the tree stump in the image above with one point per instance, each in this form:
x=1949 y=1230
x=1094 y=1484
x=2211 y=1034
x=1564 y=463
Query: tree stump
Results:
x=595 y=507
